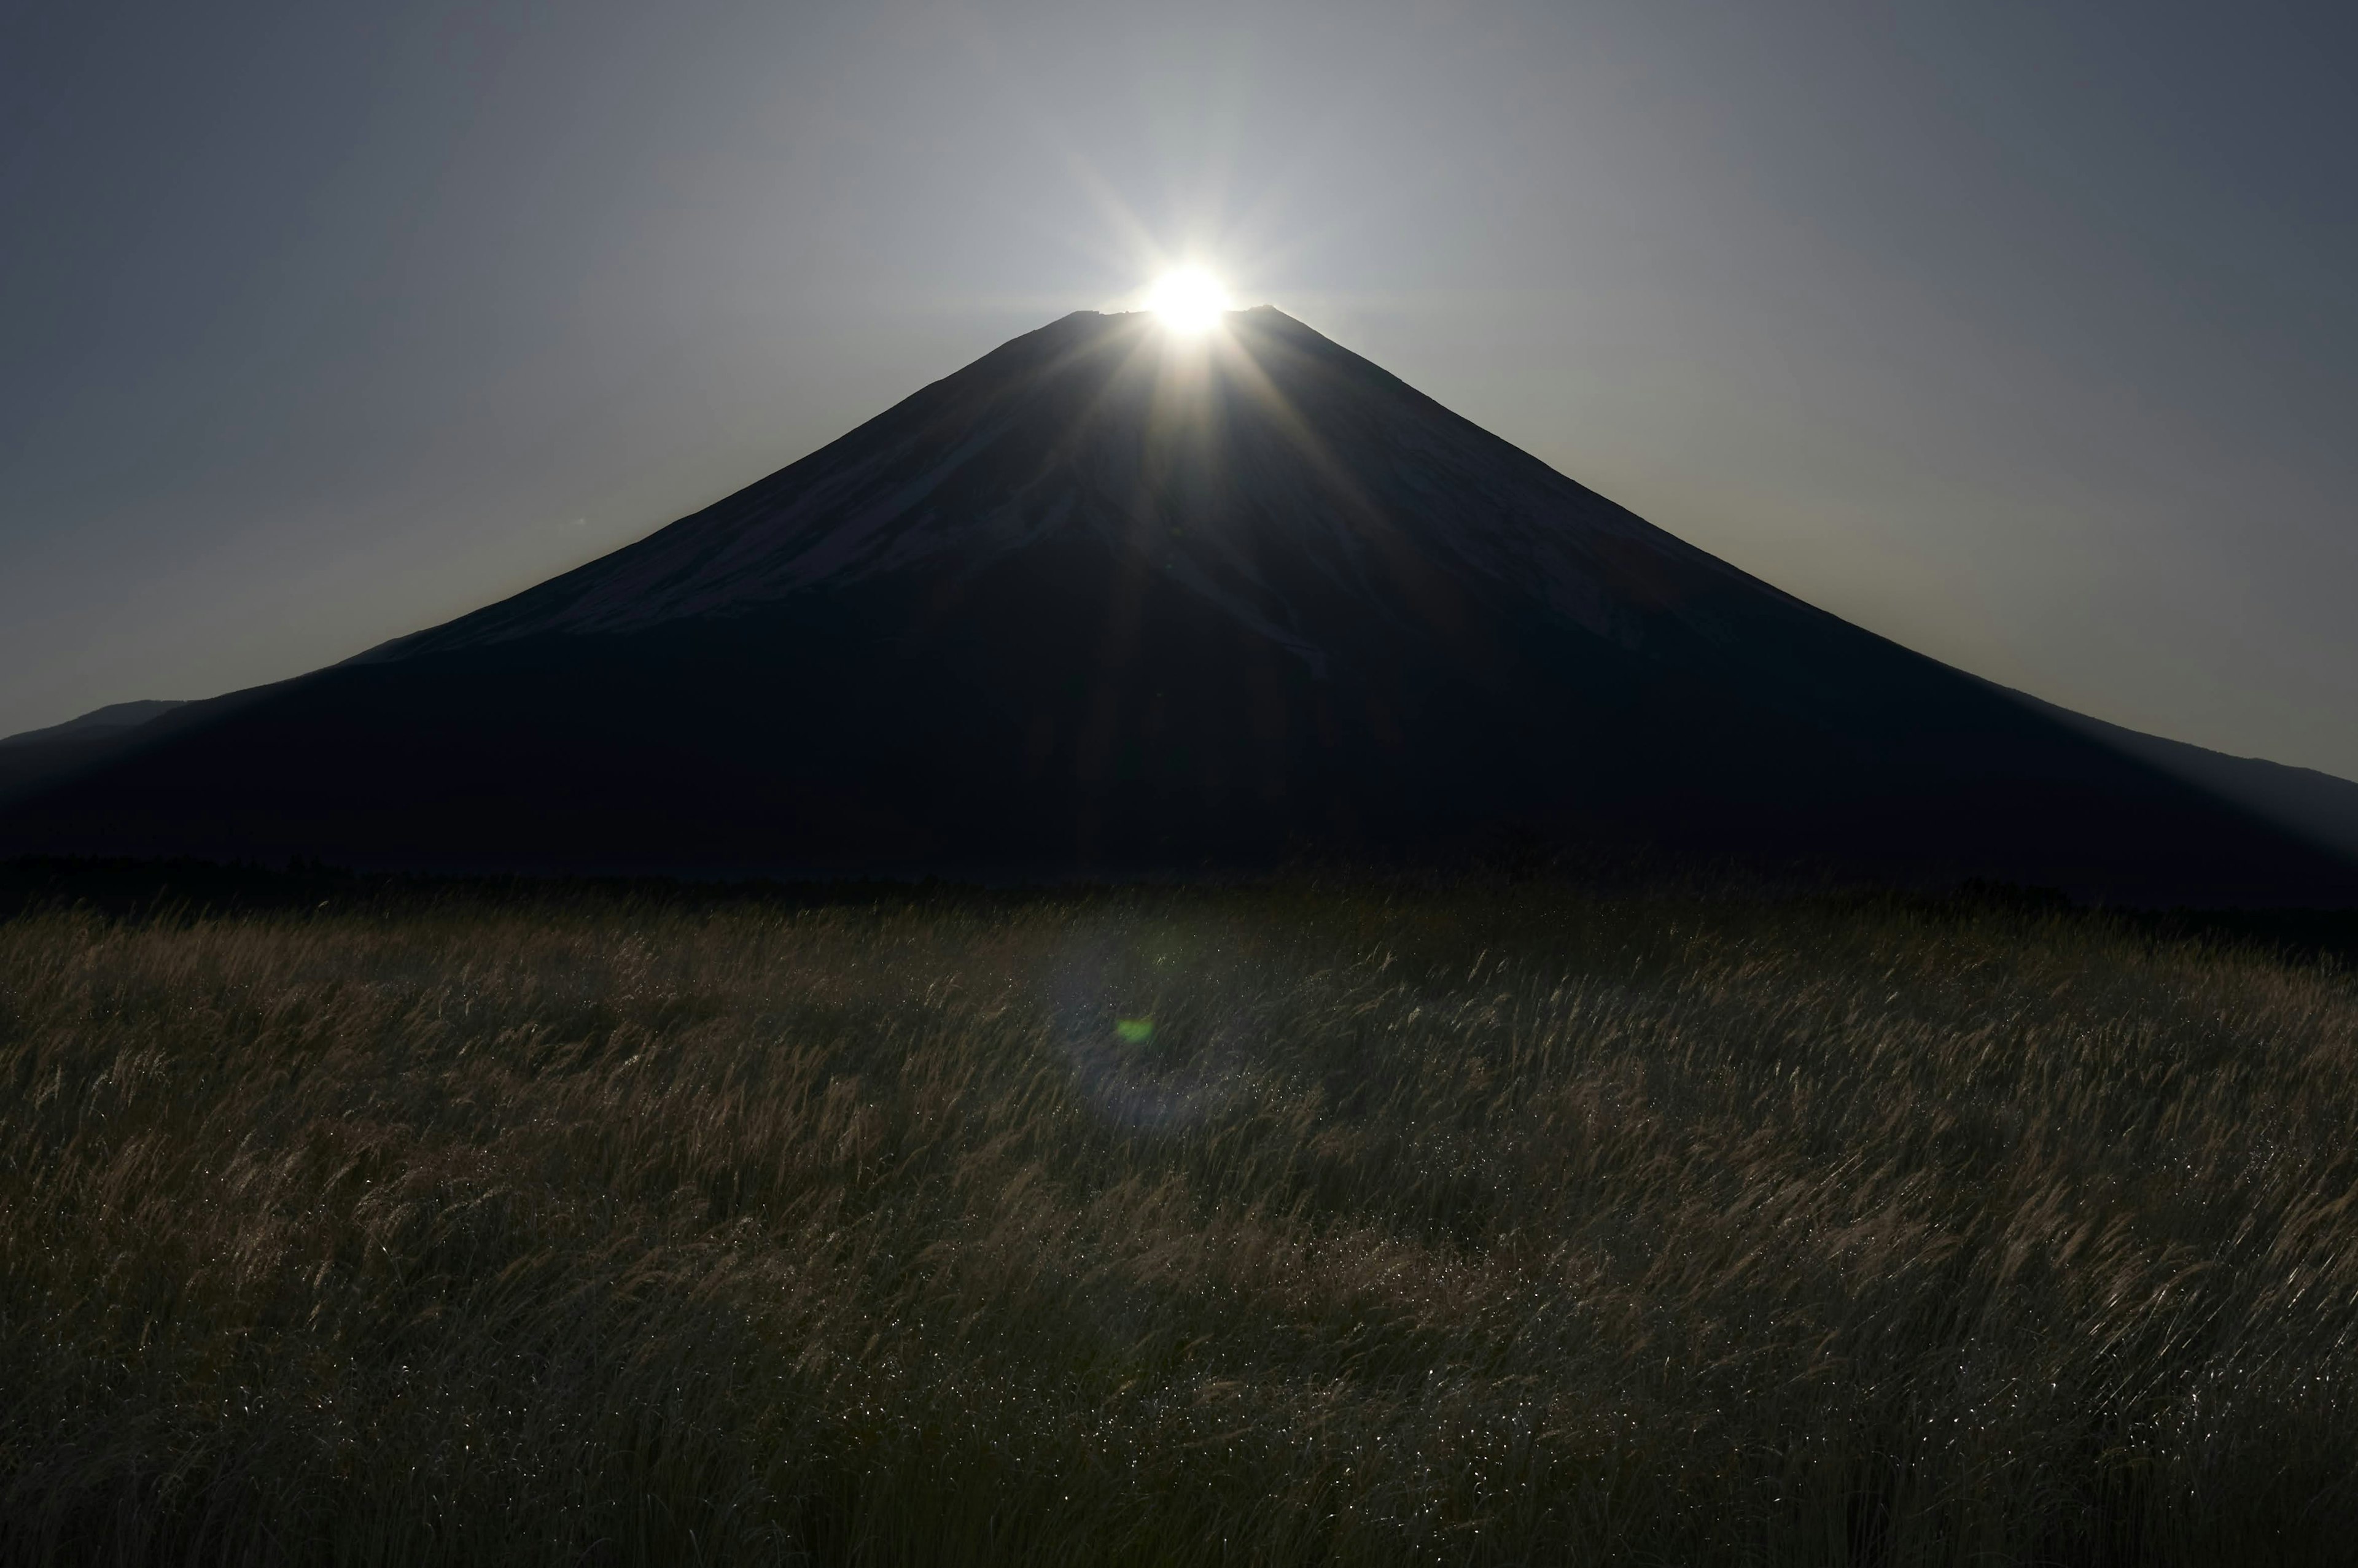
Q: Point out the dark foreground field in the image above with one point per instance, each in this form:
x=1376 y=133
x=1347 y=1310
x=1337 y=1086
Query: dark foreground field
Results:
x=1497 y=1225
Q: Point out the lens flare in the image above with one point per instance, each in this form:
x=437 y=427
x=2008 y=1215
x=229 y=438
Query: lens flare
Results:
x=1188 y=300
x=1157 y=1020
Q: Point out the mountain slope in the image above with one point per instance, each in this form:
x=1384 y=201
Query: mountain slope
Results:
x=1109 y=602
x=114 y=719
x=2318 y=806
x=33 y=759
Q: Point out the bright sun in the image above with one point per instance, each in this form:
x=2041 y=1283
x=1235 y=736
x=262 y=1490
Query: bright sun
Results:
x=1188 y=300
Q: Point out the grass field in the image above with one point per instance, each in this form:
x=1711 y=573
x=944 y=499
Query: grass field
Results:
x=1494 y=1225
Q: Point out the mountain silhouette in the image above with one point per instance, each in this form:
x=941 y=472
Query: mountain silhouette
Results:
x=1113 y=601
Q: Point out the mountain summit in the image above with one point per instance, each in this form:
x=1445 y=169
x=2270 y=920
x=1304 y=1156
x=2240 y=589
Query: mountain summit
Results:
x=1110 y=600
x=1270 y=472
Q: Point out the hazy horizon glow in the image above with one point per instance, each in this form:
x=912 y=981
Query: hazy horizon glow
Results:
x=2019 y=335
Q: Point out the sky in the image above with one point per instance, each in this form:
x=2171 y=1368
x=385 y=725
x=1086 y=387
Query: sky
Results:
x=2020 y=332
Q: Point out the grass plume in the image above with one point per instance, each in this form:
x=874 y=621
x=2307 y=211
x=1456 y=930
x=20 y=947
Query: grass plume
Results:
x=1271 y=1226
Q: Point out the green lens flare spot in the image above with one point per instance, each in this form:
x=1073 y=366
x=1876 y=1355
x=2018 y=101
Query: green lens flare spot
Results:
x=1134 y=1031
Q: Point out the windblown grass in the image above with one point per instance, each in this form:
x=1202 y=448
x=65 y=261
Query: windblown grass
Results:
x=1259 y=1226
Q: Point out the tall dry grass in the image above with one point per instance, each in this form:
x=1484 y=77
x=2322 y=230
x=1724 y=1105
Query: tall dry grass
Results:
x=1272 y=1227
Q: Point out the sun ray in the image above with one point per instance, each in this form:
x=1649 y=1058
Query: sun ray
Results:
x=1412 y=576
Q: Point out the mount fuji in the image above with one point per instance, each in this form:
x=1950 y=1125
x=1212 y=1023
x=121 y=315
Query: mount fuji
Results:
x=1115 y=601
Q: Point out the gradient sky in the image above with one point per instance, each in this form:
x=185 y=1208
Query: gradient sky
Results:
x=2022 y=331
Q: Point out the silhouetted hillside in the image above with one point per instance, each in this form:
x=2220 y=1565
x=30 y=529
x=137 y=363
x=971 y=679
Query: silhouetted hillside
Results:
x=1109 y=601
